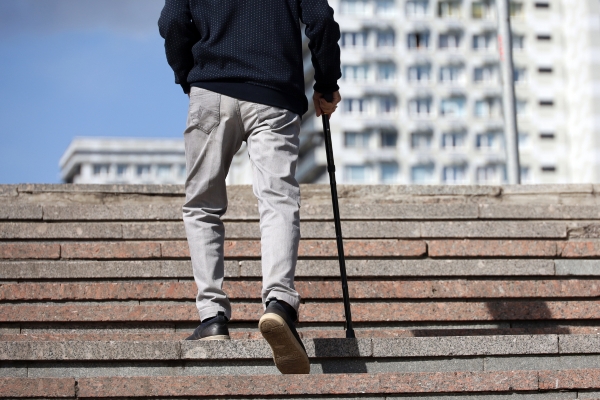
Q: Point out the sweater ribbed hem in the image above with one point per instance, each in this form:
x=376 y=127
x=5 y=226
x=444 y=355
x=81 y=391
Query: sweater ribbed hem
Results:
x=257 y=94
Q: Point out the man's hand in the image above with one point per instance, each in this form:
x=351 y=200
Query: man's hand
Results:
x=324 y=107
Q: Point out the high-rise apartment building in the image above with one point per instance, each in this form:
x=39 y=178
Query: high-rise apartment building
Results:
x=423 y=93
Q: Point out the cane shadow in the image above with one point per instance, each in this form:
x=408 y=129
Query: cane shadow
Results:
x=341 y=356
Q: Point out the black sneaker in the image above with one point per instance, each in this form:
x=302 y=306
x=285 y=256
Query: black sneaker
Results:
x=277 y=327
x=214 y=328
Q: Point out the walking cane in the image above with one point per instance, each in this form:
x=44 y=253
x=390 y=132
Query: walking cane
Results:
x=336 y=216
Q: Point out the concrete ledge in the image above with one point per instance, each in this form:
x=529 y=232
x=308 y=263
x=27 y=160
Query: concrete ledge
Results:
x=465 y=346
x=400 y=347
x=21 y=212
x=334 y=384
x=305 y=268
x=579 y=344
x=116 y=189
x=310 y=230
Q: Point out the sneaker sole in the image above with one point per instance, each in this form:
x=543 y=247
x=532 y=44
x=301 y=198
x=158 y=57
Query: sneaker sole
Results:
x=288 y=354
x=217 y=337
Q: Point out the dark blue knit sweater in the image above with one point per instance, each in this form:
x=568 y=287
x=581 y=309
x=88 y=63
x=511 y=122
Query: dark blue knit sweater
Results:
x=251 y=49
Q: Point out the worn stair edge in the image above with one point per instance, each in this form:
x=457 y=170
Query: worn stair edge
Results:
x=309 y=212
x=309 y=230
x=317 y=348
x=307 y=385
x=308 y=249
x=61 y=269
x=314 y=312
x=120 y=335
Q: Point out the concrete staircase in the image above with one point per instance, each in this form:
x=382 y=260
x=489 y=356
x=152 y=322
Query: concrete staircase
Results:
x=96 y=295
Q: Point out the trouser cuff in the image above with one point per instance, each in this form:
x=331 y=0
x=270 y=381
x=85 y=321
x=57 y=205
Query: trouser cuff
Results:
x=212 y=311
x=291 y=300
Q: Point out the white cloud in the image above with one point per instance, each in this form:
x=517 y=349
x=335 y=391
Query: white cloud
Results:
x=130 y=17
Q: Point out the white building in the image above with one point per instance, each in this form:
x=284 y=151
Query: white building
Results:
x=120 y=160
x=422 y=93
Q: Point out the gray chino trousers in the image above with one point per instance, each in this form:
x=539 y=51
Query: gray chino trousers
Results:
x=216 y=127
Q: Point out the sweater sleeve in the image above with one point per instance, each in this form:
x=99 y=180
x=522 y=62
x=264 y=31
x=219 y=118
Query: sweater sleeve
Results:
x=324 y=34
x=180 y=34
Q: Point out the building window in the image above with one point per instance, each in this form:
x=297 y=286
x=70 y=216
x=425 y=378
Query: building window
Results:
x=452 y=73
x=549 y=168
x=518 y=42
x=453 y=106
x=521 y=106
x=489 y=141
x=544 y=38
x=546 y=136
x=386 y=72
x=545 y=70
x=488 y=108
x=450 y=40
x=163 y=171
x=354 y=39
x=483 y=9
x=101 y=169
x=420 y=107
x=546 y=103
x=354 y=7
x=422 y=174
x=542 y=4
x=385 y=7
x=143 y=170
x=182 y=171
x=516 y=9
x=449 y=9
x=484 y=41
x=421 y=140
x=387 y=105
x=355 y=73
x=386 y=38
x=520 y=75
x=523 y=139
x=389 y=139
x=389 y=172
x=486 y=74
x=355 y=106
x=418 y=40
x=417 y=8
x=491 y=174
x=122 y=169
x=455 y=174
x=357 y=139
x=419 y=73
x=357 y=174
x=454 y=140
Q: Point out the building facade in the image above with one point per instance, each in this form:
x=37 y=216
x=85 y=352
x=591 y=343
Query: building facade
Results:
x=423 y=93
x=125 y=161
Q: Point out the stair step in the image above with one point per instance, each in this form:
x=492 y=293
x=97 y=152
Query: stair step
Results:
x=501 y=382
x=313 y=312
x=80 y=335
x=310 y=230
x=308 y=290
x=448 y=346
x=395 y=268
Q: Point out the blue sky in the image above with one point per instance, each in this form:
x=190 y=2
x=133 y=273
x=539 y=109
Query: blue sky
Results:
x=80 y=68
